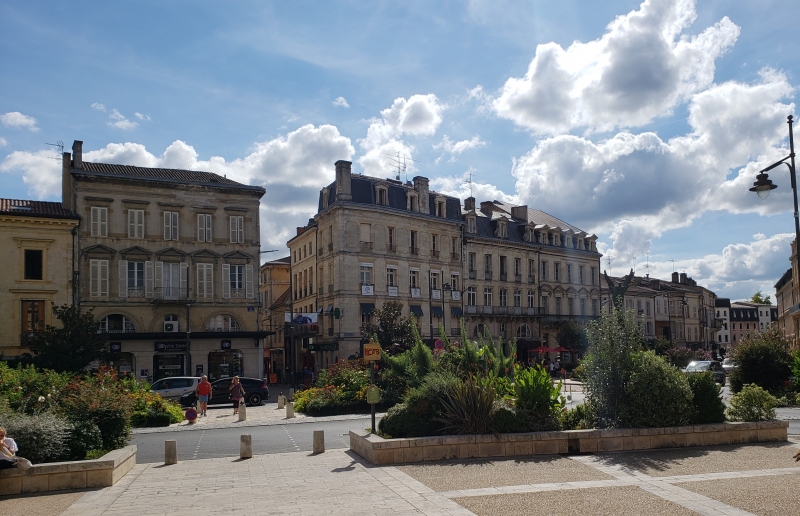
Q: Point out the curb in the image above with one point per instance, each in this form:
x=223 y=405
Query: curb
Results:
x=245 y=424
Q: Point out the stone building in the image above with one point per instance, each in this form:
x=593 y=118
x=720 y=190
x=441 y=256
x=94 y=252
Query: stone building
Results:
x=275 y=280
x=722 y=307
x=168 y=262
x=786 y=301
x=37 y=245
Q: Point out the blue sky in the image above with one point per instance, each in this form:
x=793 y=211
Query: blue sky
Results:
x=642 y=122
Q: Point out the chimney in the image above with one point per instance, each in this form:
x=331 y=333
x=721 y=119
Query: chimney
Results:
x=77 y=154
x=674 y=277
x=343 y=181
x=469 y=204
x=66 y=181
x=683 y=278
x=421 y=186
x=520 y=212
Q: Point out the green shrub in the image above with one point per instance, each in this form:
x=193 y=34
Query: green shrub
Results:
x=95 y=454
x=579 y=373
x=84 y=436
x=763 y=360
x=752 y=403
x=23 y=386
x=576 y=418
x=707 y=405
x=536 y=392
x=41 y=437
x=657 y=394
x=467 y=408
x=427 y=399
x=402 y=421
x=506 y=418
x=150 y=418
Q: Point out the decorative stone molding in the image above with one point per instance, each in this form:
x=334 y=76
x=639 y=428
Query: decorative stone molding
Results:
x=380 y=451
x=60 y=476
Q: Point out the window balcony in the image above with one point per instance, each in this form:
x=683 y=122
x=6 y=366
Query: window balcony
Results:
x=455 y=256
x=238 y=293
x=472 y=309
x=530 y=278
x=365 y=245
x=455 y=332
x=487 y=310
x=169 y=294
x=517 y=278
x=503 y=276
x=487 y=275
x=473 y=274
x=392 y=248
x=413 y=250
x=500 y=310
x=435 y=253
x=136 y=292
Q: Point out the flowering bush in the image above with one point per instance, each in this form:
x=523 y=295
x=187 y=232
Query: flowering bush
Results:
x=24 y=387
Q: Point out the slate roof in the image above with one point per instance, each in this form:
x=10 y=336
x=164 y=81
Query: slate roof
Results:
x=35 y=209
x=537 y=217
x=281 y=301
x=744 y=314
x=722 y=302
x=161 y=174
x=786 y=278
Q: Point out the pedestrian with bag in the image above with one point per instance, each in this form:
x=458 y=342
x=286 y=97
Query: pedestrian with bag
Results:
x=203 y=393
x=8 y=453
x=237 y=393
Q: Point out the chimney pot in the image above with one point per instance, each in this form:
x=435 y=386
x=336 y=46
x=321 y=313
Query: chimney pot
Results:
x=675 y=277
x=77 y=154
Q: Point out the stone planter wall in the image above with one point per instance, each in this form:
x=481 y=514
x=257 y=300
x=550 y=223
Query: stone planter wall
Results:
x=60 y=476
x=381 y=451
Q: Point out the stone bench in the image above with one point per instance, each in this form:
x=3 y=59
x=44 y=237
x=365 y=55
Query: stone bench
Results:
x=60 y=476
x=380 y=451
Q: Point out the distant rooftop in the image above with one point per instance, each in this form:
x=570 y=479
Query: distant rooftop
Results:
x=35 y=209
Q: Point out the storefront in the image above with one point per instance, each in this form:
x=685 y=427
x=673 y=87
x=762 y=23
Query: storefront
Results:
x=225 y=363
x=170 y=360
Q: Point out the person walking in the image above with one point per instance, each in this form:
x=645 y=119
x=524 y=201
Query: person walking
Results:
x=237 y=393
x=203 y=393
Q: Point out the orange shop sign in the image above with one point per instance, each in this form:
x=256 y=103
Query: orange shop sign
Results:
x=372 y=352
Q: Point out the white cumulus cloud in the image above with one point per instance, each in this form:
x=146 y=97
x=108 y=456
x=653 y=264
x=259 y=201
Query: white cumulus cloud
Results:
x=3 y=142
x=98 y=106
x=456 y=148
x=341 y=102
x=141 y=116
x=118 y=120
x=17 y=120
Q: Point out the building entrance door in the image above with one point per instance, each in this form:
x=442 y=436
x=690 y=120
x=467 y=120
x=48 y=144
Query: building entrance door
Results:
x=168 y=365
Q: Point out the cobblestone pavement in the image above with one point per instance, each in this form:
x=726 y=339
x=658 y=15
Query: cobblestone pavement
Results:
x=727 y=480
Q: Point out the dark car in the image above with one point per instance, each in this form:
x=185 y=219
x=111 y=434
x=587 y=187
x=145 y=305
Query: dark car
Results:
x=699 y=366
x=255 y=390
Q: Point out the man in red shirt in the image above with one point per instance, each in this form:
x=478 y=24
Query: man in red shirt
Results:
x=203 y=393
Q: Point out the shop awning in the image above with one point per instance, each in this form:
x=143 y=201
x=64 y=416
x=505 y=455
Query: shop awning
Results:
x=456 y=311
x=320 y=311
x=329 y=310
x=437 y=311
x=367 y=308
x=416 y=310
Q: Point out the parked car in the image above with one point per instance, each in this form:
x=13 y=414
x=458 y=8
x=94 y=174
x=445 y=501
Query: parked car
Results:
x=175 y=387
x=699 y=366
x=728 y=365
x=255 y=390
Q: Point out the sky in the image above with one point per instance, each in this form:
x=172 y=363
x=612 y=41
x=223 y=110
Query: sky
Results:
x=642 y=122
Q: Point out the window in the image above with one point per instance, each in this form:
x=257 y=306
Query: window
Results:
x=517 y=267
x=487 y=296
x=580 y=274
x=569 y=273
x=204 y=227
x=517 y=298
x=531 y=298
x=556 y=271
x=391 y=240
x=116 y=323
x=472 y=296
x=98 y=278
x=414 y=249
x=558 y=306
x=223 y=323
x=503 y=296
x=434 y=280
x=523 y=331
x=435 y=243
x=236 y=279
x=454 y=282
x=135 y=280
x=594 y=307
x=170 y=225
x=570 y=303
x=543 y=304
x=383 y=198
x=135 y=223
x=34 y=264
x=647 y=307
x=487 y=263
x=171 y=323
x=454 y=246
x=471 y=225
x=205 y=281
x=503 y=266
x=32 y=316
x=390 y=276
x=365 y=274
x=471 y=261
x=99 y=226
x=583 y=307
x=237 y=229
x=501 y=229
x=594 y=276
x=440 y=209
x=531 y=270
x=413 y=279
x=544 y=271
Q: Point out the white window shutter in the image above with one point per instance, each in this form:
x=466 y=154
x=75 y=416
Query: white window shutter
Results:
x=248 y=276
x=157 y=277
x=104 y=224
x=123 y=278
x=103 y=278
x=167 y=226
x=94 y=278
x=174 y=225
x=209 y=280
x=131 y=224
x=201 y=228
x=95 y=228
x=148 y=279
x=226 y=281
x=185 y=279
x=140 y=223
x=240 y=228
x=208 y=228
x=201 y=280
x=233 y=229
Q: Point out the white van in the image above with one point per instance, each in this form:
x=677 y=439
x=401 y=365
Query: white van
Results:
x=175 y=387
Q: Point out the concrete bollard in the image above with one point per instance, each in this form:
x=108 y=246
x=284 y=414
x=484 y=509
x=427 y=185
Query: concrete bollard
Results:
x=291 y=394
x=281 y=401
x=170 y=452
x=289 y=410
x=242 y=411
x=319 y=441
x=246 y=447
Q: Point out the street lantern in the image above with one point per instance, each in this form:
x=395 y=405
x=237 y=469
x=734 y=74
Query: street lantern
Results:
x=763 y=185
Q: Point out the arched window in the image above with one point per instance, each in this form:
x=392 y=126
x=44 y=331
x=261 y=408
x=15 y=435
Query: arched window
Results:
x=223 y=323
x=523 y=331
x=116 y=323
x=480 y=330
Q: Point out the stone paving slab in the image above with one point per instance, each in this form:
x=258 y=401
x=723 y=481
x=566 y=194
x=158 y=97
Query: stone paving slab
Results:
x=775 y=496
x=44 y=504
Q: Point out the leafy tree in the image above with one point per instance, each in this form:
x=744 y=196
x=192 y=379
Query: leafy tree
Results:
x=393 y=332
x=70 y=347
x=572 y=336
x=764 y=360
x=759 y=298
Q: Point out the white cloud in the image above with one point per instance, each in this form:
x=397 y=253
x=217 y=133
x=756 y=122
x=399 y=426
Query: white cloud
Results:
x=466 y=185
x=3 y=142
x=420 y=116
x=98 y=106
x=17 y=120
x=340 y=102
x=455 y=149
x=39 y=170
x=141 y=116
x=118 y=120
x=641 y=68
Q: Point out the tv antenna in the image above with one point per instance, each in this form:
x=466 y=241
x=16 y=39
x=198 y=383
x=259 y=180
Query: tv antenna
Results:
x=634 y=263
x=401 y=162
x=609 y=263
x=60 y=145
x=647 y=266
x=673 y=265
x=469 y=181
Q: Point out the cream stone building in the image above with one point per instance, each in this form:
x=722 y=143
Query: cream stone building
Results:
x=168 y=263
x=275 y=280
x=37 y=244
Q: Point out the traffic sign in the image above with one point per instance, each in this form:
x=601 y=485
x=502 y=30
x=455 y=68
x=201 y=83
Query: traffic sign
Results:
x=439 y=344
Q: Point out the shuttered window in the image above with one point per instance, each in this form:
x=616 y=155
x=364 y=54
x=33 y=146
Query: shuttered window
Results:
x=98 y=278
x=204 y=227
x=99 y=224
x=237 y=229
x=205 y=281
x=170 y=225
x=135 y=223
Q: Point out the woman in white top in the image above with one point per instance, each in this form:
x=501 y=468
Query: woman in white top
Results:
x=8 y=450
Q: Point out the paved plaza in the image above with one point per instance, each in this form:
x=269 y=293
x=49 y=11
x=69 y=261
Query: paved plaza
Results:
x=760 y=479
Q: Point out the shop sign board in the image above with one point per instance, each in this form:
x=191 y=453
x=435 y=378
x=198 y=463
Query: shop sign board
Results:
x=372 y=352
x=171 y=346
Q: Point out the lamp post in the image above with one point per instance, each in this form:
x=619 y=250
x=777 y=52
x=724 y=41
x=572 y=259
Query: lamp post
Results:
x=446 y=289
x=763 y=185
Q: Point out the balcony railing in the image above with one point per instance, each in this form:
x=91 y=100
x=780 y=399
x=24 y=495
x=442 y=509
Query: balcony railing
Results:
x=392 y=248
x=365 y=245
x=169 y=294
x=518 y=278
x=455 y=256
x=487 y=310
x=473 y=274
x=500 y=310
x=435 y=253
x=238 y=293
x=136 y=292
x=472 y=309
x=530 y=278
x=487 y=275
x=503 y=276
x=413 y=250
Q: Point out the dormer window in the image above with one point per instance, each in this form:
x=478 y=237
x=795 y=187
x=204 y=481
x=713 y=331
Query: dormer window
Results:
x=501 y=229
x=413 y=201
x=530 y=235
x=471 y=228
x=441 y=207
x=381 y=195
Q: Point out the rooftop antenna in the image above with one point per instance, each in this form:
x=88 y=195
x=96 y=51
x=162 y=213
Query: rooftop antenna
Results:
x=60 y=145
x=647 y=266
x=634 y=263
x=609 y=263
x=400 y=161
x=469 y=182
x=673 y=265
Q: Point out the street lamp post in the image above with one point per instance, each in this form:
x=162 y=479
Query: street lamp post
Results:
x=446 y=289
x=763 y=185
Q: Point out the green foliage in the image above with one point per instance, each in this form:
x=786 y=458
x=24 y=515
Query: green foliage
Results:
x=657 y=394
x=752 y=403
x=403 y=421
x=70 y=347
x=95 y=454
x=579 y=373
x=408 y=369
x=41 y=437
x=707 y=405
x=501 y=384
x=24 y=386
x=392 y=331
x=759 y=298
x=614 y=339
x=150 y=409
x=576 y=418
x=467 y=408
x=536 y=393
x=764 y=360
x=428 y=399
x=495 y=356
x=680 y=357
x=796 y=370
x=84 y=436
x=572 y=336
x=506 y=418
x=662 y=347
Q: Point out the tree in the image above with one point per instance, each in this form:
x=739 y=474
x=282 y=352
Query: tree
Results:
x=392 y=328
x=71 y=347
x=573 y=337
x=759 y=298
x=763 y=359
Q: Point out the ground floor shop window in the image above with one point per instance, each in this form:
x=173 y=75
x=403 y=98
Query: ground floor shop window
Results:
x=224 y=364
x=123 y=363
x=167 y=365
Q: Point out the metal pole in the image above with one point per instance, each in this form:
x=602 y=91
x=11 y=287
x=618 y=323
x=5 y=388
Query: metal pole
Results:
x=794 y=190
x=372 y=382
